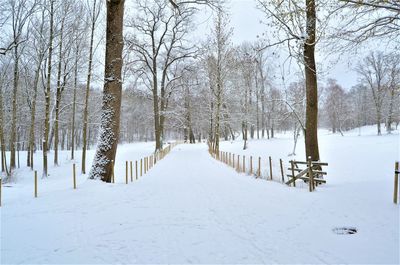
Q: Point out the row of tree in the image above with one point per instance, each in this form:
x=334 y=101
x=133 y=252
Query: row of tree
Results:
x=176 y=87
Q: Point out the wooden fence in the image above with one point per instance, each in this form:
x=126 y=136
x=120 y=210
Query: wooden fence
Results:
x=274 y=170
x=146 y=163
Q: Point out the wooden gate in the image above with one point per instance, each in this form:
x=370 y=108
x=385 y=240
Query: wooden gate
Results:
x=311 y=174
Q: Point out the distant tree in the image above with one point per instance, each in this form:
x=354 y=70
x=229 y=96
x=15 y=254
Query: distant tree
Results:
x=336 y=106
x=373 y=71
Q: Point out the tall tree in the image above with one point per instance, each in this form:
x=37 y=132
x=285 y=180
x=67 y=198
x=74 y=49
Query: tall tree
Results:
x=93 y=18
x=296 y=22
x=20 y=12
x=111 y=106
x=47 y=92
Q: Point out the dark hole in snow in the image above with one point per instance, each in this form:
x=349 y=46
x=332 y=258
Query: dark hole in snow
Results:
x=344 y=230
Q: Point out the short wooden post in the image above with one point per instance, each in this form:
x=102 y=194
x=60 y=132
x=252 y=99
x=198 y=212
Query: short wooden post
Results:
x=141 y=166
x=74 y=175
x=396 y=182
x=292 y=164
x=144 y=166
x=36 y=188
x=112 y=172
x=238 y=164
x=259 y=167
x=282 y=173
x=270 y=168
x=131 y=170
x=126 y=172
x=1 y=182
x=310 y=174
x=244 y=164
x=136 y=170
x=233 y=162
x=251 y=165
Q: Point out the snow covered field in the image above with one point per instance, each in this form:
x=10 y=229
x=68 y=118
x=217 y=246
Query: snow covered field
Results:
x=191 y=208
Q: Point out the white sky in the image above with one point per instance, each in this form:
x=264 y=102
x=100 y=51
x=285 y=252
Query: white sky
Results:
x=245 y=21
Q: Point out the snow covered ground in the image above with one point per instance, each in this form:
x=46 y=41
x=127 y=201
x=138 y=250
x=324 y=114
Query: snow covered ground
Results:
x=191 y=208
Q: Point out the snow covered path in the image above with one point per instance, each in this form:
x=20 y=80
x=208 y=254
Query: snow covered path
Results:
x=191 y=208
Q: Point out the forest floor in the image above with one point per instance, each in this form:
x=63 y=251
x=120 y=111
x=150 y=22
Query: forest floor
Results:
x=190 y=208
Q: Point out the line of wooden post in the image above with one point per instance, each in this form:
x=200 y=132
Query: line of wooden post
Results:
x=36 y=187
x=282 y=172
x=396 y=182
x=126 y=172
x=270 y=168
x=131 y=170
x=251 y=165
x=74 y=175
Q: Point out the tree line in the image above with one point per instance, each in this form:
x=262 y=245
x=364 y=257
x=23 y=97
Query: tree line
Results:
x=160 y=84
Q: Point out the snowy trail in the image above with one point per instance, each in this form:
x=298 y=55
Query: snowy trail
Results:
x=191 y=208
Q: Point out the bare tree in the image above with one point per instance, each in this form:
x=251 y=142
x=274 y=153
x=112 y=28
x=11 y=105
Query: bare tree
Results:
x=394 y=89
x=20 y=12
x=93 y=18
x=158 y=44
x=373 y=72
x=47 y=91
x=296 y=24
x=40 y=48
x=362 y=20
x=336 y=106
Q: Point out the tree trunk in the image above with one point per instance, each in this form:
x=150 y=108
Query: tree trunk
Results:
x=58 y=95
x=33 y=116
x=74 y=105
x=311 y=137
x=390 y=114
x=47 y=93
x=111 y=107
x=89 y=76
x=14 y=109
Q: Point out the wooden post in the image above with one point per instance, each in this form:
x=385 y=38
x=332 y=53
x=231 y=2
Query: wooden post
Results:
x=74 y=175
x=126 y=172
x=136 y=170
x=36 y=184
x=270 y=168
x=292 y=164
x=141 y=166
x=112 y=172
x=233 y=162
x=396 y=182
x=238 y=164
x=251 y=165
x=131 y=170
x=244 y=164
x=259 y=167
x=1 y=182
x=310 y=174
x=283 y=177
x=144 y=166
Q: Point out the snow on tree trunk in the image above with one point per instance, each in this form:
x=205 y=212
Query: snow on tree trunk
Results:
x=111 y=106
